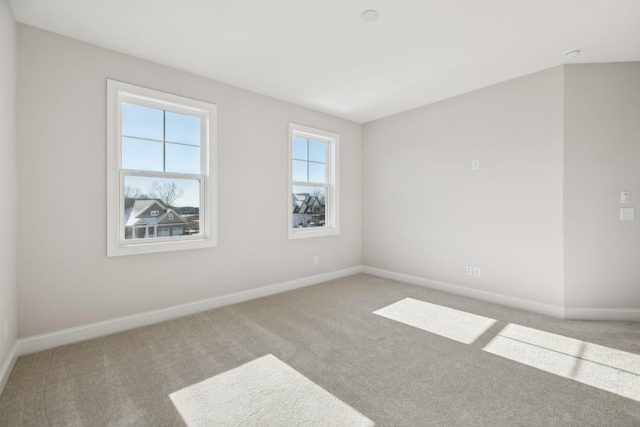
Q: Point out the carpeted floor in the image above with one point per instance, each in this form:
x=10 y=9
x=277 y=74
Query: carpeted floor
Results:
x=373 y=368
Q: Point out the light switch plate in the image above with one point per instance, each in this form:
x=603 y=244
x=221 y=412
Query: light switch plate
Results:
x=624 y=197
x=627 y=214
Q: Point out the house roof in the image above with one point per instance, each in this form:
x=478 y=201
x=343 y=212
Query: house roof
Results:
x=135 y=208
x=302 y=202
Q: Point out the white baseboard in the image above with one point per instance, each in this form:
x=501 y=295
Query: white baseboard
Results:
x=7 y=367
x=536 y=307
x=612 y=314
x=94 y=330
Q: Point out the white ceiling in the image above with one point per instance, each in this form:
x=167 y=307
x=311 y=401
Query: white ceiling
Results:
x=320 y=55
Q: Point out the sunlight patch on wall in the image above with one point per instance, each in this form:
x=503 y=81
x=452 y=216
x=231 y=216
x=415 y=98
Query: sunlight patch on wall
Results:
x=447 y=322
x=602 y=367
x=263 y=392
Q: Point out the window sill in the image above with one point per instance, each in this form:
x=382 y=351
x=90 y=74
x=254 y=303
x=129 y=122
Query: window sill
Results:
x=156 y=246
x=305 y=233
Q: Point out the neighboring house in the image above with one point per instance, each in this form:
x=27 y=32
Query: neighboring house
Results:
x=148 y=218
x=307 y=211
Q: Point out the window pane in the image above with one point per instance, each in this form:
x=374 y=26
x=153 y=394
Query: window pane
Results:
x=299 y=149
x=182 y=158
x=143 y=122
x=182 y=128
x=308 y=206
x=299 y=171
x=141 y=154
x=317 y=172
x=168 y=196
x=317 y=151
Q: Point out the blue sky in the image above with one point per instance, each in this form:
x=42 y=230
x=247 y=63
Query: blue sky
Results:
x=309 y=160
x=161 y=141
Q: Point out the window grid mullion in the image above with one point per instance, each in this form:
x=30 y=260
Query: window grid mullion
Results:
x=164 y=140
x=156 y=174
x=308 y=168
x=308 y=184
x=141 y=138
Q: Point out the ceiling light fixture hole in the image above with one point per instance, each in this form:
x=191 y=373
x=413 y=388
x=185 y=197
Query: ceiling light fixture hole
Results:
x=369 y=16
x=572 y=54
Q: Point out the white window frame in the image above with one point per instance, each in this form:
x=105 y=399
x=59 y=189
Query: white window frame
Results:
x=117 y=245
x=332 y=206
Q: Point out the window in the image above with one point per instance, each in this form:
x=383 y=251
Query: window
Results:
x=161 y=152
x=313 y=182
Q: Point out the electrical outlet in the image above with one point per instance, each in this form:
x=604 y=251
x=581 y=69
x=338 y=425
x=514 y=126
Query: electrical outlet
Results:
x=627 y=214
x=475 y=165
x=476 y=272
x=467 y=270
x=315 y=260
x=6 y=328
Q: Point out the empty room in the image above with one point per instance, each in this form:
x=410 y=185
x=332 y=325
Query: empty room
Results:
x=338 y=213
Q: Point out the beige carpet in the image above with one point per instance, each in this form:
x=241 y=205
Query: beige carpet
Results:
x=320 y=356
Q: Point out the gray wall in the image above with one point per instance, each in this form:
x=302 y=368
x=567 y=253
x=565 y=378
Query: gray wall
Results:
x=65 y=277
x=427 y=214
x=8 y=180
x=540 y=217
x=601 y=159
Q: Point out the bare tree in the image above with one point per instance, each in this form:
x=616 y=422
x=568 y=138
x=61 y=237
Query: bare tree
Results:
x=320 y=195
x=167 y=192
x=131 y=192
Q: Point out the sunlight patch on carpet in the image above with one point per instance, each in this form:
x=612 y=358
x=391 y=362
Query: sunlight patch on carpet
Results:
x=263 y=392
x=602 y=367
x=447 y=322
